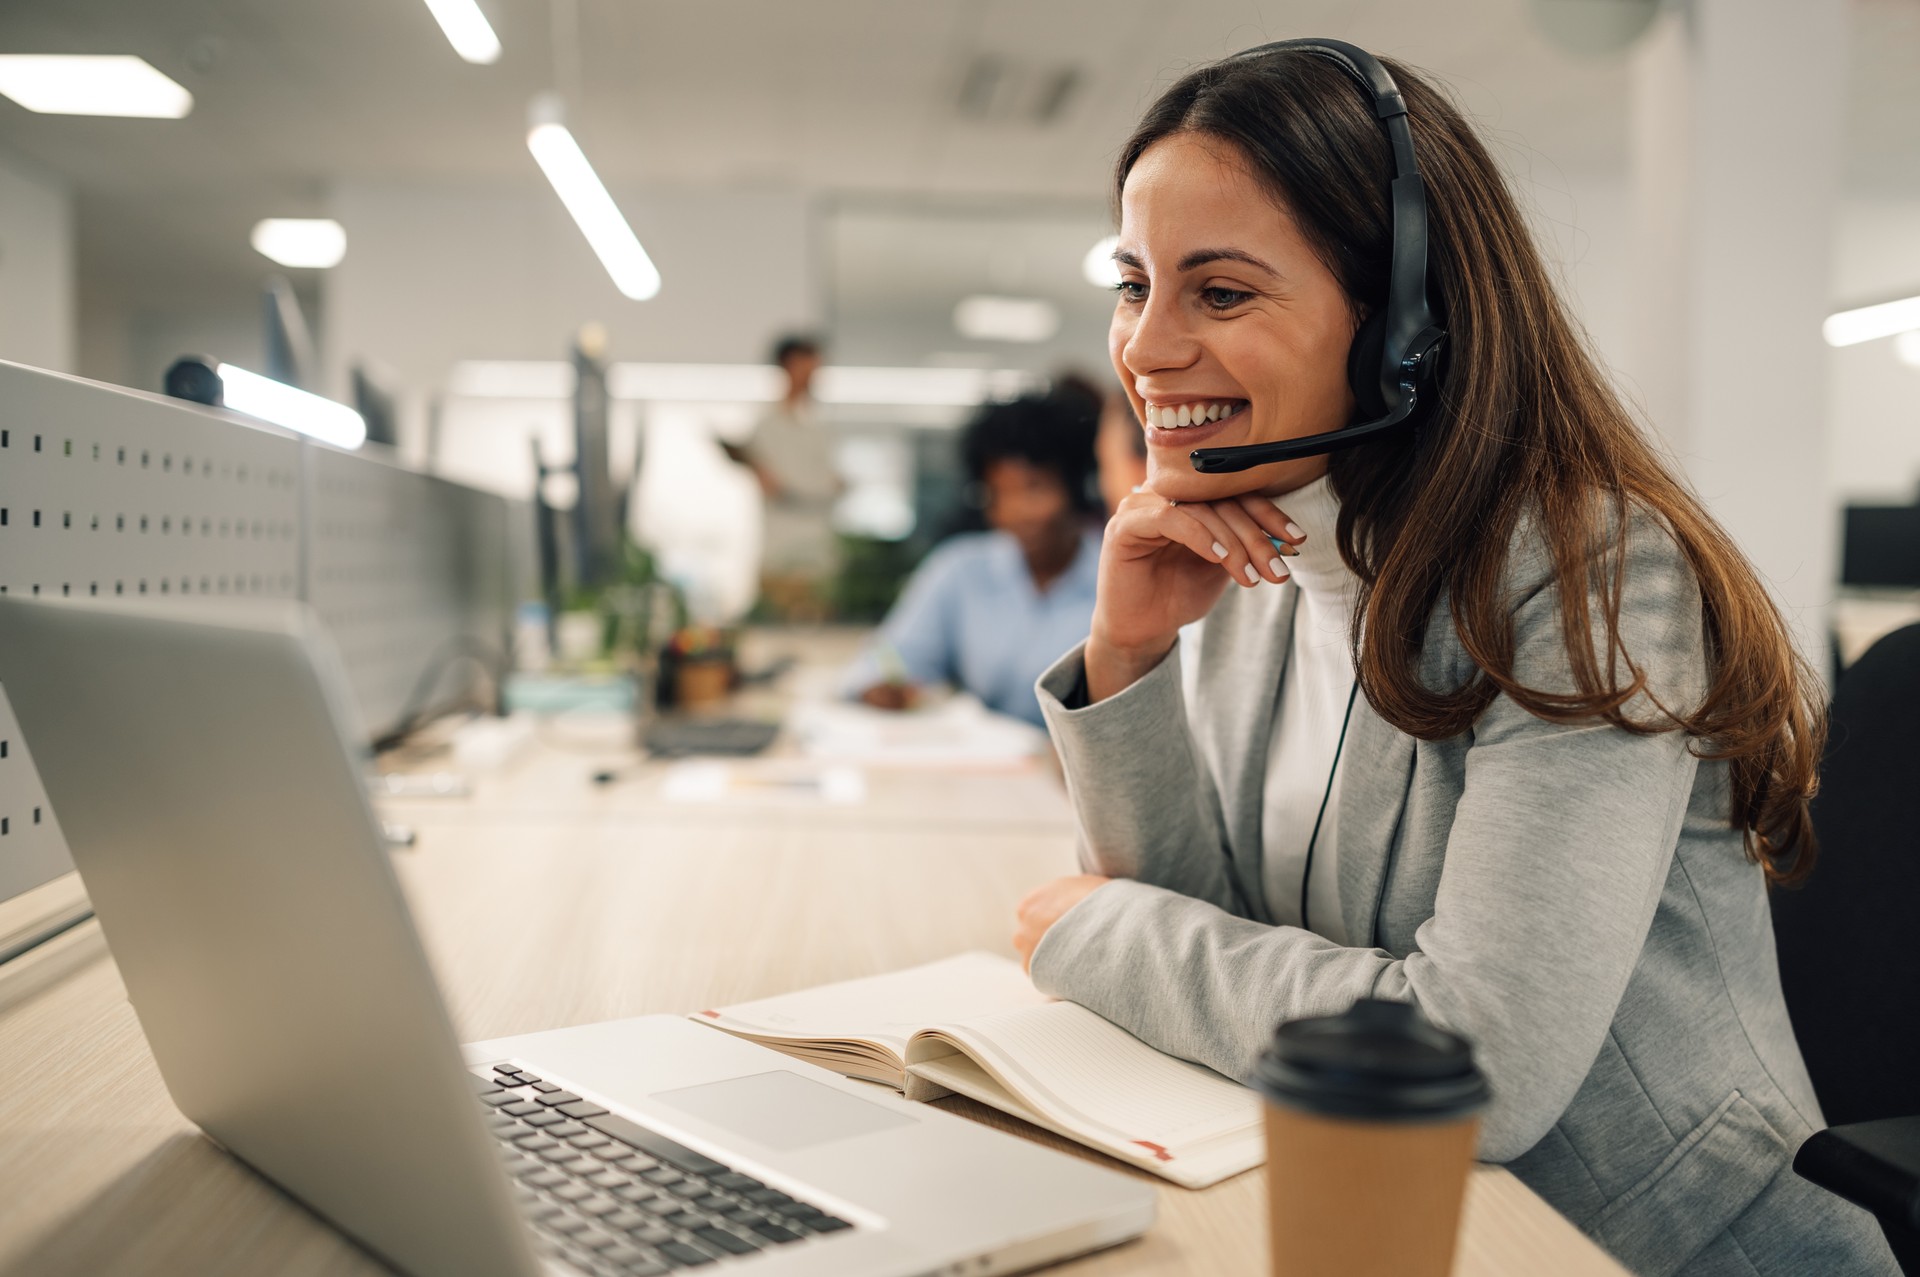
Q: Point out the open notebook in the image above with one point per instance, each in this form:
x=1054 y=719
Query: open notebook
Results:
x=974 y=1024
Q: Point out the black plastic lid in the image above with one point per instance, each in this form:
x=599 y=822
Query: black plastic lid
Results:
x=1379 y=1060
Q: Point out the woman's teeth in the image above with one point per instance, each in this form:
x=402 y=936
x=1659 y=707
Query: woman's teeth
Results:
x=1177 y=416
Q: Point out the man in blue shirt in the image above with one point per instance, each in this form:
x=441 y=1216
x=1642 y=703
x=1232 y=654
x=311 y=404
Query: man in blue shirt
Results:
x=989 y=611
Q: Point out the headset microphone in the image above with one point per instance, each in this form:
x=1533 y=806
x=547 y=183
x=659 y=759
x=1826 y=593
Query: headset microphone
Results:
x=1393 y=363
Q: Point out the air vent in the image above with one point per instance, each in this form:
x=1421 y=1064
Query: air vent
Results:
x=996 y=89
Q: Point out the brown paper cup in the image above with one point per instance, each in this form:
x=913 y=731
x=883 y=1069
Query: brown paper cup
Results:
x=1350 y=1198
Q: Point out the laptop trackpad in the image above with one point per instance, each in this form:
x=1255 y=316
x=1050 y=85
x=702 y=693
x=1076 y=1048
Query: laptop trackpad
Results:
x=783 y=1110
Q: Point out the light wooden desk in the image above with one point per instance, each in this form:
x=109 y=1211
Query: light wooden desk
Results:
x=540 y=921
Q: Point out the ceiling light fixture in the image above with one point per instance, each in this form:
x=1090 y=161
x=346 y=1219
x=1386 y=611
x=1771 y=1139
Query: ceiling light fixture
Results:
x=291 y=407
x=1866 y=323
x=1098 y=265
x=1024 y=319
x=467 y=30
x=61 y=84
x=585 y=196
x=309 y=242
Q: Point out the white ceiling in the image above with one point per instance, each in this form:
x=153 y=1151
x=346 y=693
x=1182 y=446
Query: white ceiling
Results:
x=856 y=99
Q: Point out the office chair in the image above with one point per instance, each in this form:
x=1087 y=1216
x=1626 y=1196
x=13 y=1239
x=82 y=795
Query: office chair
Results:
x=1846 y=943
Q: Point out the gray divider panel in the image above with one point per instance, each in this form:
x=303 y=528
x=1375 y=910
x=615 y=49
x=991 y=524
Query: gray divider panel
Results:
x=106 y=492
x=414 y=578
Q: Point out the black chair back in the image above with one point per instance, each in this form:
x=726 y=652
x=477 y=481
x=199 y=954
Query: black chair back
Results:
x=1850 y=938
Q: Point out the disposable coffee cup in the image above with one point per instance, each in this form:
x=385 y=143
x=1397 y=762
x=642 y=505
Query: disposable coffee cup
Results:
x=1371 y=1121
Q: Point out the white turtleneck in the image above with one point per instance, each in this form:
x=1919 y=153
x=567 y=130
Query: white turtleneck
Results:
x=1307 y=724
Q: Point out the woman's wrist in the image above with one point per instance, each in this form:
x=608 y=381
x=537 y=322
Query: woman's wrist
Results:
x=1112 y=668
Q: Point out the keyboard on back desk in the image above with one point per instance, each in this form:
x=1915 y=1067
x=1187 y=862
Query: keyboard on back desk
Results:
x=615 y=1198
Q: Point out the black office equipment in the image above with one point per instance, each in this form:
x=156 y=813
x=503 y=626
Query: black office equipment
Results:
x=725 y=737
x=1394 y=360
x=1881 y=546
x=1846 y=943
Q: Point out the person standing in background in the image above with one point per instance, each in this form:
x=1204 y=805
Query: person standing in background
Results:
x=988 y=611
x=791 y=456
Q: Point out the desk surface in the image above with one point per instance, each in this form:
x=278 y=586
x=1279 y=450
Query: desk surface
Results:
x=570 y=908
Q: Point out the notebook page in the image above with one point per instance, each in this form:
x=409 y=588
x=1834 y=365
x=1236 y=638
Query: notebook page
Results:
x=1106 y=1084
x=886 y=1010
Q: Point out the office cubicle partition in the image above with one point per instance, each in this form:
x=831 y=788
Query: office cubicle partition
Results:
x=111 y=493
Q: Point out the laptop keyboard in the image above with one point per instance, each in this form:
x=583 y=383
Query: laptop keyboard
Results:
x=616 y=1199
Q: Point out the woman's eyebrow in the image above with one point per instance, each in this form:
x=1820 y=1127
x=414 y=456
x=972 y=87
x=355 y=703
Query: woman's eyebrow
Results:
x=1202 y=256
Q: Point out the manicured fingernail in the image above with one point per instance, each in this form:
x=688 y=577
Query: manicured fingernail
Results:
x=1293 y=530
x=1219 y=551
x=1278 y=568
x=1253 y=578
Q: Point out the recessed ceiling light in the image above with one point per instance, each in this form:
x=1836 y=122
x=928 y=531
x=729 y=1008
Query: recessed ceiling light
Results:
x=986 y=318
x=1865 y=323
x=317 y=242
x=64 y=84
x=1098 y=265
x=467 y=30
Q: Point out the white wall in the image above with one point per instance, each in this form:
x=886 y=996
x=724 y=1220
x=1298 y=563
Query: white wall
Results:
x=437 y=273
x=1874 y=399
x=36 y=269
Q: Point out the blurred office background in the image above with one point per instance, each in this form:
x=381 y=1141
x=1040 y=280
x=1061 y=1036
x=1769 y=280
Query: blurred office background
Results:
x=1713 y=179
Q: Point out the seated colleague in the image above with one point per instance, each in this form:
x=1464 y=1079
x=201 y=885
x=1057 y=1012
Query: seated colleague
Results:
x=988 y=611
x=1121 y=451
x=1513 y=731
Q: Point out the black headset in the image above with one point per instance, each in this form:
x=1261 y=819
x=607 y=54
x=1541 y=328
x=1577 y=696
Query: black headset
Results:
x=1393 y=364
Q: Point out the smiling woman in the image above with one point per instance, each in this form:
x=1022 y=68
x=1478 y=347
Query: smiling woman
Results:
x=1493 y=719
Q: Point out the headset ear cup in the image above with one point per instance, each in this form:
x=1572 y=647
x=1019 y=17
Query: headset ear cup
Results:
x=1363 y=366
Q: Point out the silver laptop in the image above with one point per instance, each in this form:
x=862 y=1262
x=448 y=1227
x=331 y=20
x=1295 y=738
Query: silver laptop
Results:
x=201 y=765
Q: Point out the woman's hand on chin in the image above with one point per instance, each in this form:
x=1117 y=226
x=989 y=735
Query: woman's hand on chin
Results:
x=1164 y=565
x=1045 y=905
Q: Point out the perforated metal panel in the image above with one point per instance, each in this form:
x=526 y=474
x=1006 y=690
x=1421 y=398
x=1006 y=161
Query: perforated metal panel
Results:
x=106 y=492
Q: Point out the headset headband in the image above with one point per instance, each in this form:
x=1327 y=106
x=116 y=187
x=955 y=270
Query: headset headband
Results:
x=1392 y=366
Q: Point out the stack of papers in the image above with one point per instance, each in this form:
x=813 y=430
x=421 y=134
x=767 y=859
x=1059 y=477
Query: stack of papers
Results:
x=957 y=732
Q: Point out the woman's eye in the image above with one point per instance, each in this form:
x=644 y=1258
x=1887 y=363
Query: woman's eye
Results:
x=1223 y=298
x=1131 y=290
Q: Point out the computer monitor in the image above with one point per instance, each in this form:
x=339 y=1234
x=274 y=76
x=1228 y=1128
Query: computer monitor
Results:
x=1881 y=547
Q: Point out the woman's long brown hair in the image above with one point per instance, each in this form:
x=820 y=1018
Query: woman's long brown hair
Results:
x=1525 y=426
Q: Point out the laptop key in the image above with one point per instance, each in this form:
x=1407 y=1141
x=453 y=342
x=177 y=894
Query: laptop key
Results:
x=774 y=1233
x=684 y=1255
x=637 y=1162
x=686 y=1188
x=546 y=1118
x=653 y=1234
x=661 y=1175
x=627 y=1220
x=571 y=1192
x=522 y=1108
x=547 y=1178
x=559 y=1097
x=769 y=1197
x=594 y=1139
x=726 y=1241
x=713 y=1202
x=567 y=1224
x=581 y=1164
x=565 y=1129
x=598 y=1204
x=628 y=1257
x=607 y=1179
x=559 y=1153
x=500 y=1099
x=545 y=1087
x=828 y=1224
x=737 y=1182
x=656 y=1145
x=528 y=1079
x=534 y=1141
x=634 y=1192
x=579 y=1108
x=686 y=1219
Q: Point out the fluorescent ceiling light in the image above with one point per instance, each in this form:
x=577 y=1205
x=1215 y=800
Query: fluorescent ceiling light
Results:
x=317 y=242
x=594 y=211
x=511 y=379
x=1907 y=347
x=550 y=379
x=1098 y=265
x=1006 y=318
x=932 y=387
x=291 y=407
x=85 y=85
x=467 y=30
x=697 y=383
x=1865 y=323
